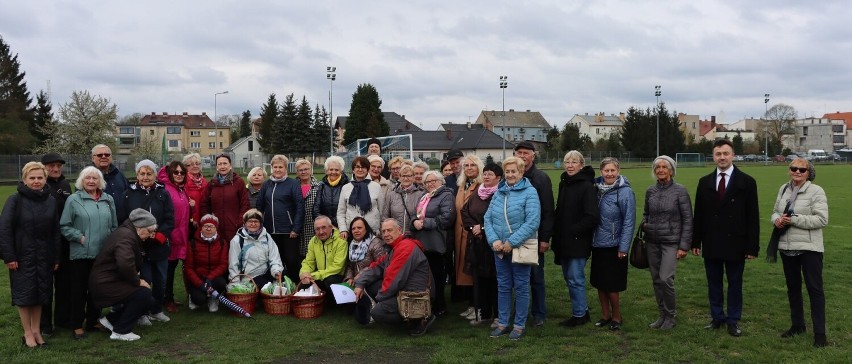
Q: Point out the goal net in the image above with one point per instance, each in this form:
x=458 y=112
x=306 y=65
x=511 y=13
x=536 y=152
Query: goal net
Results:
x=392 y=146
x=689 y=159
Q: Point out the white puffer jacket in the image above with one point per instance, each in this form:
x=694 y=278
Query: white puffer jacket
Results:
x=810 y=216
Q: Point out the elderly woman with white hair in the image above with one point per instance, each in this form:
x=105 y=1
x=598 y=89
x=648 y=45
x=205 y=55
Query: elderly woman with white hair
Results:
x=328 y=193
x=151 y=196
x=420 y=168
x=255 y=180
x=434 y=219
x=377 y=164
x=87 y=220
x=667 y=222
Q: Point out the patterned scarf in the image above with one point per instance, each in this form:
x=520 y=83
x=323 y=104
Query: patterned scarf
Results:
x=358 y=249
x=485 y=192
x=421 y=205
x=195 y=179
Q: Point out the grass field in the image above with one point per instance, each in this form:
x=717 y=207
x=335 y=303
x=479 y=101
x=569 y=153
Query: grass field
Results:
x=336 y=338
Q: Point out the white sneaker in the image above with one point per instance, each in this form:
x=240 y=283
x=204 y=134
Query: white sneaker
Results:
x=472 y=315
x=105 y=323
x=143 y=321
x=124 y=337
x=190 y=304
x=159 y=317
x=467 y=312
x=212 y=304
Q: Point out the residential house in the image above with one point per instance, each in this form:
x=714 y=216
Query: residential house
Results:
x=819 y=133
x=846 y=117
x=432 y=145
x=246 y=154
x=184 y=133
x=598 y=126
x=515 y=126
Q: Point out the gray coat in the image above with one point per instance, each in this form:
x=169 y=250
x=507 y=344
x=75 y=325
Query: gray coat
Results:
x=402 y=205
x=668 y=215
x=438 y=221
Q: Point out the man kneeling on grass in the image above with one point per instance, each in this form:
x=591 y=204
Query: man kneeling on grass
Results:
x=404 y=268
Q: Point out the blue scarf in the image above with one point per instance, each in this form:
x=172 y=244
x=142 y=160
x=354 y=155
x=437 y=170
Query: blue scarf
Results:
x=360 y=195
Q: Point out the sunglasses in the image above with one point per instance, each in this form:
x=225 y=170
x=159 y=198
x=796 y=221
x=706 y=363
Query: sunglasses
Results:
x=103 y=155
x=798 y=169
x=179 y=172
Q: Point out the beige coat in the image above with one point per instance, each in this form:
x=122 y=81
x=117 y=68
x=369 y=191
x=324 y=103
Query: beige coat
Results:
x=810 y=216
x=462 y=278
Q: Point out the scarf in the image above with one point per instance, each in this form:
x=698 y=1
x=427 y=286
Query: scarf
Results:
x=421 y=205
x=603 y=187
x=196 y=180
x=772 y=247
x=358 y=249
x=485 y=192
x=224 y=179
x=210 y=239
x=273 y=179
x=254 y=234
x=335 y=182
x=360 y=195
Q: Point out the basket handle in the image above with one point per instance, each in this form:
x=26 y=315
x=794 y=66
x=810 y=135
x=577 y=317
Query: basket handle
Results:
x=253 y=283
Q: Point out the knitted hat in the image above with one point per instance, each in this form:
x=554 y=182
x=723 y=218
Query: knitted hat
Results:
x=209 y=219
x=375 y=141
x=142 y=218
x=146 y=163
x=666 y=158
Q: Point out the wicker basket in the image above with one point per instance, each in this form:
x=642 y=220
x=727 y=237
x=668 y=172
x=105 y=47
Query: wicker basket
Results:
x=276 y=305
x=247 y=301
x=308 y=307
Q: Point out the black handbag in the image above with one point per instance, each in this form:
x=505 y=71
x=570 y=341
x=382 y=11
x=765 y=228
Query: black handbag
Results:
x=638 y=254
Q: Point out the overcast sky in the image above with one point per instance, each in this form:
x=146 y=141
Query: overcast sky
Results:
x=441 y=63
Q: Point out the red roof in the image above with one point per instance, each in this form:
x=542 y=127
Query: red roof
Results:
x=845 y=116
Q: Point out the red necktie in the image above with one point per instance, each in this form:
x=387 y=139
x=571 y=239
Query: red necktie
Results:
x=721 y=189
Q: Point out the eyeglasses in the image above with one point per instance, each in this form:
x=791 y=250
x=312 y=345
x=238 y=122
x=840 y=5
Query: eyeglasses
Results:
x=798 y=169
x=102 y=155
x=406 y=175
x=430 y=181
x=180 y=173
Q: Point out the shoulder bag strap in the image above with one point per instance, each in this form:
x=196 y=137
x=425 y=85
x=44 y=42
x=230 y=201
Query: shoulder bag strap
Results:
x=505 y=214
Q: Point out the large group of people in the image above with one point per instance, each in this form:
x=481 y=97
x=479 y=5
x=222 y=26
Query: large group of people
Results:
x=391 y=227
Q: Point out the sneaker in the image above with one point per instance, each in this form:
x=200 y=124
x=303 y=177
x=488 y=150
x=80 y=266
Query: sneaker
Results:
x=500 y=331
x=124 y=337
x=576 y=321
x=424 y=325
x=614 y=325
x=159 y=316
x=539 y=322
x=171 y=307
x=190 y=304
x=213 y=304
x=105 y=323
x=668 y=324
x=517 y=334
x=144 y=321
x=494 y=324
x=658 y=323
x=467 y=312
x=473 y=314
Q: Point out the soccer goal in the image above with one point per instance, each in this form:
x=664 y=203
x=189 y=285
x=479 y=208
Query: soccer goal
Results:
x=689 y=159
x=392 y=146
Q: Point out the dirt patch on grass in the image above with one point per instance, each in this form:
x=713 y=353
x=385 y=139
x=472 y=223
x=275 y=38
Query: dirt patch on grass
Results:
x=368 y=355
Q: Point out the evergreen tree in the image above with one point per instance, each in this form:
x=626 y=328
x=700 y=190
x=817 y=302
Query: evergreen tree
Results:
x=268 y=113
x=553 y=140
x=639 y=133
x=571 y=139
x=303 y=135
x=16 y=115
x=245 y=125
x=366 y=105
x=285 y=132
x=737 y=141
x=321 y=137
x=614 y=142
x=43 y=116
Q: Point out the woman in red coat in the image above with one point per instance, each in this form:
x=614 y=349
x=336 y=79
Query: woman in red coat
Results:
x=194 y=187
x=226 y=197
x=206 y=264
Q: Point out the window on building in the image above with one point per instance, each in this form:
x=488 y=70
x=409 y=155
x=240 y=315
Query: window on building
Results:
x=173 y=144
x=125 y=130
x=804 y=130
x=195 y=145
x=173 y=130
x=211 y=145
x=195 y=133
x=220 y=133
x=839 y=139
x=211 y=133
x=837 y=128
x=251 y=146
x=221 y=145
x=151 y=132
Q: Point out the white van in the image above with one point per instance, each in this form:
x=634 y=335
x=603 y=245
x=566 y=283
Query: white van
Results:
x=817 y=155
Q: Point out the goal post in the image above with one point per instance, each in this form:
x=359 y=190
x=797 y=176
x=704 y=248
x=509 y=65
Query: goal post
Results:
x=392 y=146
x=689 y=159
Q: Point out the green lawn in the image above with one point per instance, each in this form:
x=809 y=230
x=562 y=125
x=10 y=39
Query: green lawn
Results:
x=335 y=337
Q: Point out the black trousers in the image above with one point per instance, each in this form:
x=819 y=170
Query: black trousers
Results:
x=170 y=281
x=809 y=265
x=81 y=306
x=60 y=312
x=289 y=250
x=130 y=309
x=486 y=290
x=439 y=276
x=198 y=296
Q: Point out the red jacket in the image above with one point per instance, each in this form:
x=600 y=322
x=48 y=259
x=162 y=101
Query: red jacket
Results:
x=228 y=201
x=205 y=260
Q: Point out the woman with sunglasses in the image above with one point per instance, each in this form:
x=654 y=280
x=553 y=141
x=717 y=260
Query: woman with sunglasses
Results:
x=173 y=176
x=801 y=211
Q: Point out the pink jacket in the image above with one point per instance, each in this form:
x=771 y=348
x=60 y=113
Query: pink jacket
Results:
x=180 y=200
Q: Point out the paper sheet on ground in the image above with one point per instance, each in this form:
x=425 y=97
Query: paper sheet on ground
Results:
x=343 y=293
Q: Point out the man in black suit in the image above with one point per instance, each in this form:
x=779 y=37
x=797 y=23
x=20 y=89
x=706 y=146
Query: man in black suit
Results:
x=727 y=228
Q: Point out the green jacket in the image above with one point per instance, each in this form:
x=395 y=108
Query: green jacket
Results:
x=326 y=258
x=83 y=216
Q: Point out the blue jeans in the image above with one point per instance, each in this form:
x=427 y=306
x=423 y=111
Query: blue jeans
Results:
x=573 y=270
x=539 y=308
x=512 y=277
x=154 y=272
